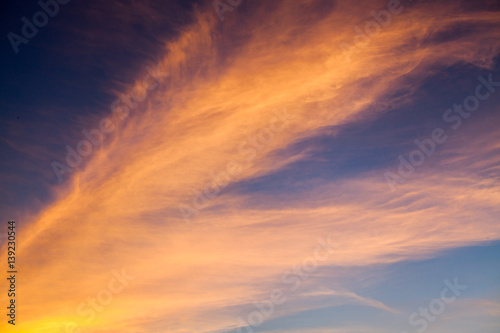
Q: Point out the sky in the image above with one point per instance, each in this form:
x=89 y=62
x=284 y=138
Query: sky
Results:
x=305 y=166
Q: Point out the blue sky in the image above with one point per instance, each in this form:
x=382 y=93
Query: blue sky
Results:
x=247 y=166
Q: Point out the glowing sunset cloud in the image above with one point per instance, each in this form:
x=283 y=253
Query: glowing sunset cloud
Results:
x=237 y=184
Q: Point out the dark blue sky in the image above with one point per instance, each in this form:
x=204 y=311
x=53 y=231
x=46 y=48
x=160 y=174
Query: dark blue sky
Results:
x=158 y=195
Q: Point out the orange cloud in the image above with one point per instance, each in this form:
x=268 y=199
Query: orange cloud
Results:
x=227 y=78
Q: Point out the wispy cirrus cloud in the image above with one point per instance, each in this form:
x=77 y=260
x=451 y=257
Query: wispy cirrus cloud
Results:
x=121 y=208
